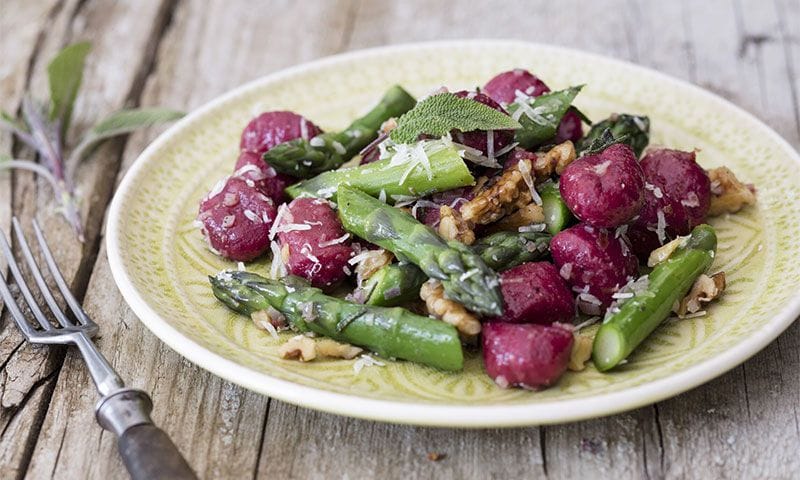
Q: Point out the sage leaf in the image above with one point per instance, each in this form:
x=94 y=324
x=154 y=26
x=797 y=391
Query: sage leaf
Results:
x=122 y=122
x=540 y=116
x=438 y=114
x=64 y=74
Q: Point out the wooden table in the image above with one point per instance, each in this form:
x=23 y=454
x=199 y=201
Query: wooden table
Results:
x=182 y=53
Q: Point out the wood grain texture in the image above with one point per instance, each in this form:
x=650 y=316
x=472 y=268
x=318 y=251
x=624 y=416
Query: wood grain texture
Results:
x=28 y=373
x=744 y=424
x=217 y=426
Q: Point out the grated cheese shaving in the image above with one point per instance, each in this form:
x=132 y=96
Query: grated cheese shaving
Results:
x=524 y=168
x=366 y=361
x=277 y=269
x=278 y=218
x=334 y=241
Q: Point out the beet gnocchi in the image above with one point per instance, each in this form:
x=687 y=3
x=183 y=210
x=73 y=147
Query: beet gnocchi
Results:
x=483 y=217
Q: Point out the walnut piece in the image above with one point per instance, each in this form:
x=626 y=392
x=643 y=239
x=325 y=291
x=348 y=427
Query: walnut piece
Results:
x=704 y=290
x=663 y=252
x=453 y=227
x=581 y=352
x=507 y=194
x=728 y=194
x=527 y=215
x=441 y=307
x=331 y=348
x=372 y=262
x=305 y=349
x=269 y=319
x=554 y=160
x=299 y=347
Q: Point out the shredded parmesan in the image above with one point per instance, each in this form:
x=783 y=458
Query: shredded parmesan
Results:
x=292 y=227
x=358 y=258
x=305 y=250
x=524 y=168
x=278 y=218
x=251 y=215
x=366 y=361
x=217 y=188
x=277 y=269
x=534 y=227
x=334 y=241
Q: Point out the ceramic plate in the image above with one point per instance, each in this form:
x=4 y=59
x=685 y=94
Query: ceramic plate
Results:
x=160 y=261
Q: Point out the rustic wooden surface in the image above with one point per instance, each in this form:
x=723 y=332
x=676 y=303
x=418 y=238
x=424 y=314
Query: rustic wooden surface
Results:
x=182 y=53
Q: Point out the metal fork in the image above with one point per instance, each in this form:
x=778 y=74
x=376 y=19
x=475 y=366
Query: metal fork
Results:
x=145 y=449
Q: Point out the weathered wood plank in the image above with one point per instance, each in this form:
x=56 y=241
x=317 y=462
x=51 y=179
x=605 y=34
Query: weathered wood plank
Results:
x=303 y=444
x=28 y=373
x=217 y=425
x=744 y=424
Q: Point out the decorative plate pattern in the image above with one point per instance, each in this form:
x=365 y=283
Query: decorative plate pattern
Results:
x=160 y=261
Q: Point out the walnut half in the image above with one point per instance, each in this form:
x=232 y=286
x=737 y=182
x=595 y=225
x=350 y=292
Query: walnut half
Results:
x=554 y=160
x=453 y=227
x=300 y=348
x=728 y=194
x=373 y=261
x=441 y=307
x=305 y=349
x=527 y=215
x=704 y=290
x=507 y=194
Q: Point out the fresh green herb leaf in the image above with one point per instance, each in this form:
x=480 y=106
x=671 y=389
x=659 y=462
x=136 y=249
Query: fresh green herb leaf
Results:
x=127 y=121
x=633 y=130
x=122 y=122
x=541 y=115
x=65 y=73
x=439 y=114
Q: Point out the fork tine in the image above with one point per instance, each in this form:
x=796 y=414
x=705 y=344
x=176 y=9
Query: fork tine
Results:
x=37 y=276
x=12 y=307
x=23 y=287
x=73 y=303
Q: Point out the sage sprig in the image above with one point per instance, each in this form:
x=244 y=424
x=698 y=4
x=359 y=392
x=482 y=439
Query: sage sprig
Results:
x=440 y=113
x=44 y=127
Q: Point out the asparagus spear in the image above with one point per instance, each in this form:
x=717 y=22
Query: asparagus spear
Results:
x=541 y=115
x=464 y=275
x=504 y=250
x=304 y=158
x=556 y=213
x=389 y=332
x=447 y=171
x=394 y=284
x=622 y=332
x=633 y=130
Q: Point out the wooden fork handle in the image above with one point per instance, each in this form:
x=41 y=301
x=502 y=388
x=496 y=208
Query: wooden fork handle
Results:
x=148 y=452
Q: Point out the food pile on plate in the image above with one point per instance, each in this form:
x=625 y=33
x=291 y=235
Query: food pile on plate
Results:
x=484 y=218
